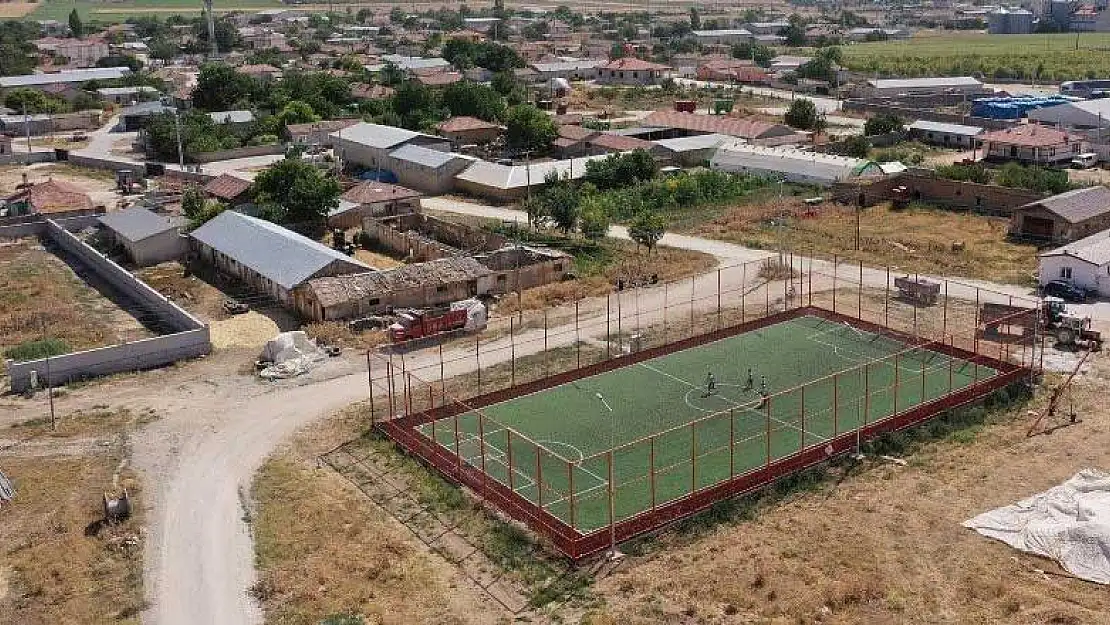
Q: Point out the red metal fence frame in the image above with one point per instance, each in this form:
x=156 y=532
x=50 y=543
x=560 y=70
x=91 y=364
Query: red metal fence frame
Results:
x=576 y=545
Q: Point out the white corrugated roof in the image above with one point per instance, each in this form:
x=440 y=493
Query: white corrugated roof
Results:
x=919 y=83
x=67 y=76
x=516 y=176
x=952 y=129
x=741 y=157
x=1094 y=249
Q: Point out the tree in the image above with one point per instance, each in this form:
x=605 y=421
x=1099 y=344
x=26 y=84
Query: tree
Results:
x=534 y=31
x=883 y=124
x=192 y=201
x=297 y=112
x=474 y=100
x=33 y=101
x=163 y=49
x=795 y=33
x=760 y=54
x=695 y=19
x=528 y=128
x=620 y=170
x=296 y=192
x=220 y=87
x=76 y=26
x=121 y=60
x=647 y=229
x=416 y=105
x=857 y=146
x=560 y=201
x=803 y=115
x=391 y=75
x=594 y=221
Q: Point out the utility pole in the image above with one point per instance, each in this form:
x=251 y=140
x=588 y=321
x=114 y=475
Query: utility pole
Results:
x=177 y=127
x=26 y=126
x=49 y=383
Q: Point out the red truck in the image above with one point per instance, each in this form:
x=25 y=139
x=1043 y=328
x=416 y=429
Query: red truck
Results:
x=415 y=324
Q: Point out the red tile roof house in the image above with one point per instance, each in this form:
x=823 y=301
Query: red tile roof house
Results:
x=468 y=130
x=229 y=189
x=437 y=80
x=53 y=198
x=733 y=70
x=373 y=199
x=1031 y=144
x=631 y=71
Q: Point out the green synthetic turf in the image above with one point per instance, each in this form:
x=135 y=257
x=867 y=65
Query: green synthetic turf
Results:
x=660 y=415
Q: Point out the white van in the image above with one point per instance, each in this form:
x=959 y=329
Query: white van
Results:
x=1085 y=160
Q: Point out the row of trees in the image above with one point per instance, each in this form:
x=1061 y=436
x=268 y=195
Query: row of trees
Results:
x=1016 y=175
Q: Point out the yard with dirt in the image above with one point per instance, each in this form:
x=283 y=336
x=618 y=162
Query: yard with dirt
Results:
x=61 y=563
x=46 y=307
x=916 y=239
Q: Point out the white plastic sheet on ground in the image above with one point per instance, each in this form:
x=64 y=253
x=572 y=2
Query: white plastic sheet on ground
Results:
x=292 y=353
x=475 y=313
x=1069 y=523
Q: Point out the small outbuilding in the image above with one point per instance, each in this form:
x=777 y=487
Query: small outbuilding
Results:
x=1064 y=217
x=146 y=237
x=1084 y=263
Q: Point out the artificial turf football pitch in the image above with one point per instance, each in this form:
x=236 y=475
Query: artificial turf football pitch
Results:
x=668 y=437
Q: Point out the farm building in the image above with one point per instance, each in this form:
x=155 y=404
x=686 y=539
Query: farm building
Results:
x=373 y=199
x=793 y=165
x=1082 y=115
x=518 y=267
x=72 y=76
x=424 y=169
x=317 y=133
x=1065 y=217
x=677 y=124
x=1085 y=263
x=146 y=237
x=421 y=237
x=1031 y=144
x=690 y=151
x=725 y=36
x=418 y=285
x=55 y=198
x=890 y=87
x=266 y=257
x=946 y=135
x=229 y=189
x=369 y=145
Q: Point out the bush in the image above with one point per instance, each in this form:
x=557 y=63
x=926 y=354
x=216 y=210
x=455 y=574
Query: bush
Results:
x=264 y=140
x=967 y=173
x=33 y=350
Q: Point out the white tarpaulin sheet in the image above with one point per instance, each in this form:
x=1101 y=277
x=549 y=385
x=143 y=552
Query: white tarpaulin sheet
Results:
x=292 y=354
x=1069 y=523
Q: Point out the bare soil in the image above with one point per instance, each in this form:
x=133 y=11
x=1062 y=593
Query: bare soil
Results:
x=61 y=563
x=924 y=240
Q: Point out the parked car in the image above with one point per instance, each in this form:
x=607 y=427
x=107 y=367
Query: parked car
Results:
x=1064 y=290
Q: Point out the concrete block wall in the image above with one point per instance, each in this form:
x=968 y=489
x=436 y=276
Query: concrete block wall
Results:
x=987 y=199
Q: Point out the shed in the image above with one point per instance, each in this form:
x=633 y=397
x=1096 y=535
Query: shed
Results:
x=369 y=145
x=1065 y=217
x=373 y=199
x=792 y=165
x=427 y=170
x=267 y=257
x=229 y=189
x=465 y=130
x=947 y=135
x=418 y=285
x=145 y=236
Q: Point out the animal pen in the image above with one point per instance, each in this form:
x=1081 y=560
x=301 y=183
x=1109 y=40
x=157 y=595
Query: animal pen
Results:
x=593 y=423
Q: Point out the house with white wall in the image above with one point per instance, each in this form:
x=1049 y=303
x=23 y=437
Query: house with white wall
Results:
x=1084 y=263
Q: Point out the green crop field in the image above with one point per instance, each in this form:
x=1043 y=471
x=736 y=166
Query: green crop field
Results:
x=1045 y=57
x=120 y=10
x=668 y=436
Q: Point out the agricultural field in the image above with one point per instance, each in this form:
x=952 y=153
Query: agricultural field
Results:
x=915 y=239
x=1048 y=57
x=123 y=9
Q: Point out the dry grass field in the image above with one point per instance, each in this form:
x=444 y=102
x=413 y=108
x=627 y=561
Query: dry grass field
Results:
x=9 y=10
x=58 y=563
x=914 y=239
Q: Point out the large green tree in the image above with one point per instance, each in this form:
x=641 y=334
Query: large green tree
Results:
x=803 y=115
x=468 y=98
x=647 y=228
x=296 y=192
x=220 y=87
x=76 y=26
x=529 y=128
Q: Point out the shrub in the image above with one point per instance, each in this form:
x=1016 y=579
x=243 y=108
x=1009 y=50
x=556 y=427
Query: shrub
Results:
x=33 y=350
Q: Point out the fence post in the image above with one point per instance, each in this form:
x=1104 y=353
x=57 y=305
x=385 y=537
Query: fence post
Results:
x=860 y=306
x=666 y=292
x=802 y=411
x=886 y=300
x=389 y=390
x=951 y=360
x=866 y=394
x=923 y=377
x=442 y=379
x=577 y=341
x=545 y=372
x=836 y=405
x=718 y=298
x=608 y=327
x=743 y=291
x=512 y=354
x=767 y=298
x=478 y=362
x=509 y=456
x=731 y=442
x=896 y=374
x=370 y=384
x=458 y=445
x=620 y=325
x=693 y=456
x=834 y=284
x=767 y=406
x=570 y=472
x=539 y=477
x=433 y=422
x=944 y=314
x=975 y=333
x=482 y=447
x=692 y=331
x=651 y=469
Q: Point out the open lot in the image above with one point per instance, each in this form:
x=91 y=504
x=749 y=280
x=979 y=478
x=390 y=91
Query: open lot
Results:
x=16 y=9
x=1057 y=56
x=60 y=563
x=916 y=239
x=40 y=292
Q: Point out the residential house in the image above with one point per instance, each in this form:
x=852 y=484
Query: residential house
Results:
x=127 y=95
x=1031 y=144
x=146 y=237
x=132 y=118
x=316 y=133
x=78 y=52
x=235 y=119
x=693 y=151
x=438 y=80
x=733 y=70
x=373 y=199
x=571 y=69
x=368 y=145
x=266 y=257
x=1084 y=263
x=229 y=189
x=418 y=285
x=465 y=130
x=425 y=169
x=502 y=183
x=1065 y=217
x=727 y=36
x=260 y=72
x=786 y=63
x=631 y=71
x=792 y=165
x=364 y=91
x=53 y=198
x=945 y=135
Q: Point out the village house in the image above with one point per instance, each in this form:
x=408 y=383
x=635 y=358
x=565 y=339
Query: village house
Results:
x=465 y=130
x=1031 y=144
x=316 y=133
x=631 y=71
x=53 y=198
x=425 y=169
x=369 y=145
x=946 y=135
x=79 y=52
x=733 y=70
x=373 y=199
x=675 y=124
x=1084 y=263
x=230 y=189
x=1064 y=217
